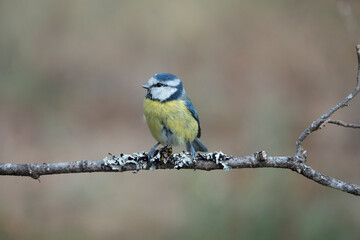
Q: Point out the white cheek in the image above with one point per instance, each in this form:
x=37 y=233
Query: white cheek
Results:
x=162 y=93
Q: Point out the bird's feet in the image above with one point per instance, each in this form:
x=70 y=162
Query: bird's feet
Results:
x=165 y=152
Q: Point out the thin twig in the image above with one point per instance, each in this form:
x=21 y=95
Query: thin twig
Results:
x=315 y=125
x=343 y=124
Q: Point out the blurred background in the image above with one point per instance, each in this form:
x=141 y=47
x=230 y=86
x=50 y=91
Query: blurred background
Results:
x=258 y=72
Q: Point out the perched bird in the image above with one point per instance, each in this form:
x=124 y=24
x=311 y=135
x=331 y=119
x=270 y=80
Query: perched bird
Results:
x=170 y=115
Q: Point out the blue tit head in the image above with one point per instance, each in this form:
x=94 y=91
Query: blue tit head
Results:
x=164 y=87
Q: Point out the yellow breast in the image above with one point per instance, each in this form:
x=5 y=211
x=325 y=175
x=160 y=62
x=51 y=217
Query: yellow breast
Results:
x=172 y=115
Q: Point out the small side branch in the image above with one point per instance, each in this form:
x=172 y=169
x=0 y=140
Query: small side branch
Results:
x=343 y=124
x=315 y=125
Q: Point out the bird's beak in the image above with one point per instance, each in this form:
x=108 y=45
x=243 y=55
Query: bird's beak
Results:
x=146 y=86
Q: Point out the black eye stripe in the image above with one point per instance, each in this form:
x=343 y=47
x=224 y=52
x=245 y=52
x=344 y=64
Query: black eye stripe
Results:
x=158 y=85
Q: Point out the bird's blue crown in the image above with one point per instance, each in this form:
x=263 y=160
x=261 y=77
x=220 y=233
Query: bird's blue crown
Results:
x=163 y=77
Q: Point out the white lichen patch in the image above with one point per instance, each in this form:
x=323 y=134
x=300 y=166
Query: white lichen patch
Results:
x=217 y=156
x=182 y=160
x=157 y=156
x=226 y=167
x=153 y=167
x=139 y=161
x=118 y=163
x=220 y=158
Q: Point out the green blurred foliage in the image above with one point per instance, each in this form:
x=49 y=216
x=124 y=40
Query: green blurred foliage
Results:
x=258 y=73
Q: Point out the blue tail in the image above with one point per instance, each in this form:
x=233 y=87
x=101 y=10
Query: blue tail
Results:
x=198 y=145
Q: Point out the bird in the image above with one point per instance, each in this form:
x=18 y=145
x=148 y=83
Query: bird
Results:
x=171 y=117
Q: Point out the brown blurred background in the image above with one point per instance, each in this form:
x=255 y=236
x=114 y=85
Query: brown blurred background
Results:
x=258 y=73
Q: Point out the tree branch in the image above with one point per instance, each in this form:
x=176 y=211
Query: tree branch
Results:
x=207 y=162
x=212 y=161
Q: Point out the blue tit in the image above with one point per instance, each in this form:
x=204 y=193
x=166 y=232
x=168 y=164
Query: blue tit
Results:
x=170 y=115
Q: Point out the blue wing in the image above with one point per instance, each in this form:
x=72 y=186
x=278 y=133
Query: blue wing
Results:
x=193 y=112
